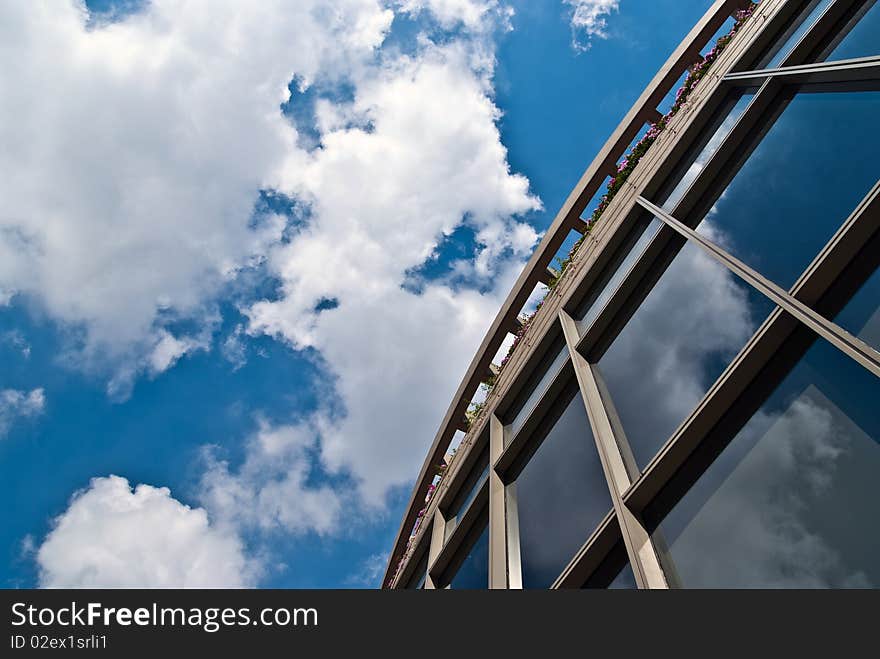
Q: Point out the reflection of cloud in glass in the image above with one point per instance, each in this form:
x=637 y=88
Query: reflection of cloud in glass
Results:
x=676 y=344
x=777 y=508
x=708 y=151
x=562 y=496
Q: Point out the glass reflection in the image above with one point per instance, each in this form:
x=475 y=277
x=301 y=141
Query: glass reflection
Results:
x=706 y=153
x=639 y=238
x=801 y=182
x=795 y=37
x=790 y=502
x=417 y=580
x=561 y=497
x=625 y=579
x=537 y=389
x=474 y=571
x=862 y=40
x=861 y=316
x=455 y=513
x=680 y=339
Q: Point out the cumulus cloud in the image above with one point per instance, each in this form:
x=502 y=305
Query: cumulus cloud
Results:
x=16 y=404
x=273 y=488
x=129 y=211
x=425 y=155
x=128 y=206
x=759 y=516
x=589 y=20
x=113 y=536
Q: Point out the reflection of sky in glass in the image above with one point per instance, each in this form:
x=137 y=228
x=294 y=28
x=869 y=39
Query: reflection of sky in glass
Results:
x=806 y=176
x=417 y=580
x=468 y=500
x=861 y=316
x=790 y=503
x=708 y=151
x=474 y=571
x=863 y=40
x=550 y=373
x=590 y=308
x=792 y=41
x=680 y=339
x=561 y=497
x=624 y=580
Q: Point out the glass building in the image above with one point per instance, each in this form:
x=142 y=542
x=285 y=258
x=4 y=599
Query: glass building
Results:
x=696 y=403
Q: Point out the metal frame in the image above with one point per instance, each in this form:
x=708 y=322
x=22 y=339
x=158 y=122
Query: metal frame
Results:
x=802 y=313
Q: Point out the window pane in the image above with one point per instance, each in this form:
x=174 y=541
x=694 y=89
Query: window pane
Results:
x=792 y=41
x=680 y=339
x=624 y=580
x=861 y=316
x=615 y=272
x=863 y=40
x=801 y=182
x=560 y=350
x=417 y=580
x=561 y=496
x=706 y=153
x=791 y=502
x=459 y=509
x=474 y=571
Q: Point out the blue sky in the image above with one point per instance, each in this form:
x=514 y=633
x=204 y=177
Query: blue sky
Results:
x=199 y=276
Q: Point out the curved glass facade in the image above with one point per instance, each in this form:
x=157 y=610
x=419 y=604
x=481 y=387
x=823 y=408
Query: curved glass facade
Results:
x=695 y=406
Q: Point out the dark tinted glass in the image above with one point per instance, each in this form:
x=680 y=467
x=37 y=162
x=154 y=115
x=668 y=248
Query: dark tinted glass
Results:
x=711 y=146
x=417 y=580
x=461 y=506
x=555 y=358
x=624 y=580
x=795 y=36
x=791 y=501
x=863 y=40
x=561 y=496
x=680 y=339
x=474 y=571
x=861 y=316
x=801 y=182
x=615 y=273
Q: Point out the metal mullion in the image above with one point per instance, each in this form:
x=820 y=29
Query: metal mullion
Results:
x=461 y=541
x=498 y=539
x=438 y=535
x=639 y=548
x=591 y=554
x=848 y=70
x=807 y=46
x=843 y=340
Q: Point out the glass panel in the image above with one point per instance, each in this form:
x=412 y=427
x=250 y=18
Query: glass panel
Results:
x=861 y=316
x=791 y=502
x=624 y=580
x=706 y=153
x=540 y=387
x=474 y=571
x=417 y=580
x=561 y=497
x=802 y=29
x=459 y=509
x=803 y=180
x=683 y=335
x=615 y=272
x=863 y=40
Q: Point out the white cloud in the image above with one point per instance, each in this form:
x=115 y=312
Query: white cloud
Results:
x=133 y=153
x=272 y=489
x=112 y=536
x=370 y=571
x=133 y=156
x=589 y=19
x=16 y=404
x=381 y=199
